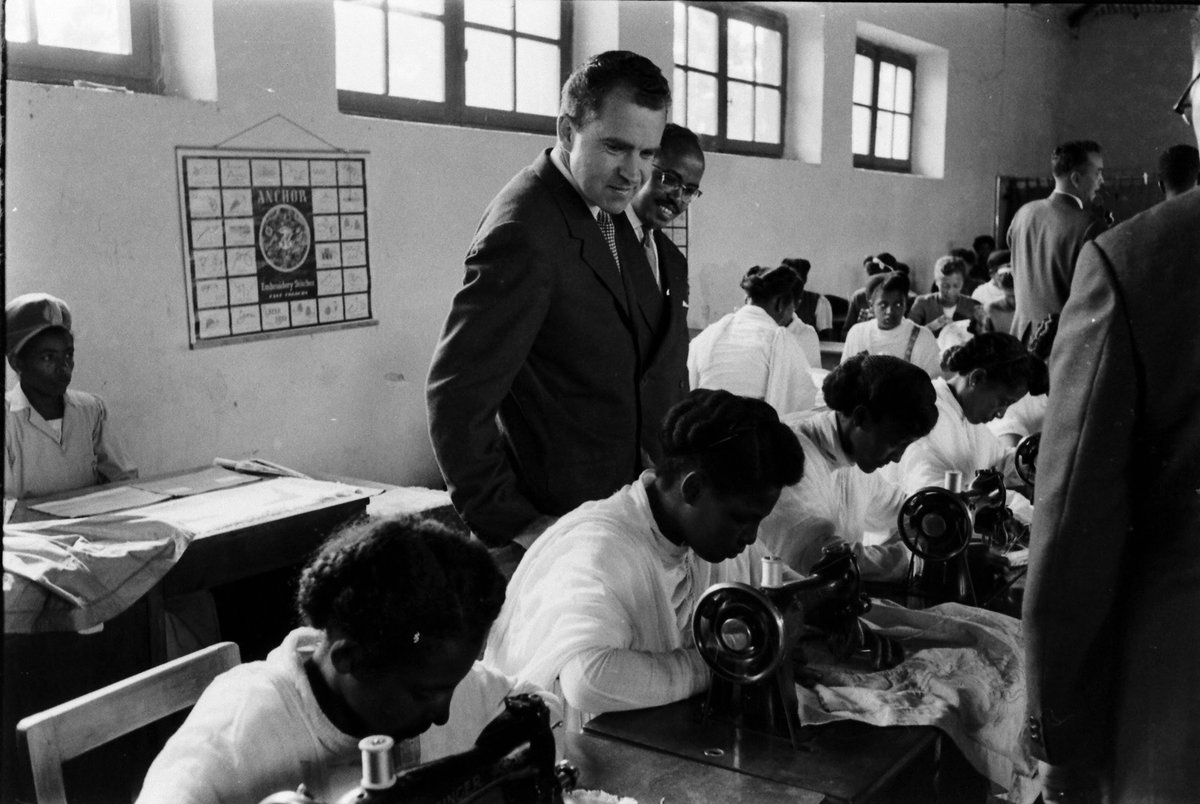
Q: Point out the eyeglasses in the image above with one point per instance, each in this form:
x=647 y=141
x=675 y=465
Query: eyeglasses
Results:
x=671 y=182
x=1183 y=107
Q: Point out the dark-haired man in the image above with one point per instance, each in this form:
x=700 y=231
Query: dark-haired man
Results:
x=1111 y=633
x=1046 y=235
x=673 y=184
x=1178 y=170
x=535 y=392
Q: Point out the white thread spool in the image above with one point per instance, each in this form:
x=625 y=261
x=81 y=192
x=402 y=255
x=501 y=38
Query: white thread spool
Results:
x=378 y=764
x=953 y=481
x=772 y=572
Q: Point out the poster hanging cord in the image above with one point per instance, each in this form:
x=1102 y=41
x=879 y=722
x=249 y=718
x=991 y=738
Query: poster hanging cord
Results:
x=286 y=119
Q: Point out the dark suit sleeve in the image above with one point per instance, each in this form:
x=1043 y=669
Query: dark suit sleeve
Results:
x=493 y=322
x=1082 y=521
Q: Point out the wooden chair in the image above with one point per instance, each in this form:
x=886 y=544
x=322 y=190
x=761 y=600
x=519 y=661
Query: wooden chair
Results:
x=89 y=721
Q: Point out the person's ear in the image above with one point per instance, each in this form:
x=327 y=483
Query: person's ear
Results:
x=976 y=377
x=691 y=486
x=861 y=418
x=14 y=361
x=566 y=131
x=347 y=657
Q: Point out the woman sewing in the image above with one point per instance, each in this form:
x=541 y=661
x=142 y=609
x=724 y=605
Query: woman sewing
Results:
x=751 y=352
x=603 y=600
x=878 y=405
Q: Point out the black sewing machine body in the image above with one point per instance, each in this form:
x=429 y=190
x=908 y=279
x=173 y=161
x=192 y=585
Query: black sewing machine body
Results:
x=512 y=762
x=959 y=537
x=750 y=637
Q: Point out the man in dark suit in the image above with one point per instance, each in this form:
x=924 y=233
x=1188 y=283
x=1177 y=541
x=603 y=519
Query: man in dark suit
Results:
x=536 y=393
x=1046 y=235
x=1112 y=605
x=673 y=184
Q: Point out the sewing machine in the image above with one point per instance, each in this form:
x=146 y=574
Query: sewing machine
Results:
x=1025 y=457
x=750 y=637
x=958 y=537
x=512 y=762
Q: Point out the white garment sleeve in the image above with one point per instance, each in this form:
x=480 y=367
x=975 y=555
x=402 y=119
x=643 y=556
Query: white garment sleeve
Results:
x=790 y=386
x=823 y=314
x=926 y=354
x=614 y=679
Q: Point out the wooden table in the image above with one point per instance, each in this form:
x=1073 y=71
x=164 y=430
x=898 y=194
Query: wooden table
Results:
x=670 y=751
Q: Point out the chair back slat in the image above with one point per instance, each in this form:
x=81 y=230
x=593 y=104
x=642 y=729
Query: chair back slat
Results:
x=65 y=731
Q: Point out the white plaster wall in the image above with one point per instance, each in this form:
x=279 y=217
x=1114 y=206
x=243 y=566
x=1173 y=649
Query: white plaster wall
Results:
x=92 y=215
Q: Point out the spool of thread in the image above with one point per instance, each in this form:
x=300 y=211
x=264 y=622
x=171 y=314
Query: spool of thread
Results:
x=953 y=481
x=772 y=572
x=378 y=764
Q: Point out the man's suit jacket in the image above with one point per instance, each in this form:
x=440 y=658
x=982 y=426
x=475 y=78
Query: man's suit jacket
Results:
x=548 y=373
x=1112 y=604
x=1045 y=237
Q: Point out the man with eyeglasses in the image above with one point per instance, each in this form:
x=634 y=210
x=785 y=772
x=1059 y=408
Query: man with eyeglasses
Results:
x=673 y=184
x=1112 y=604
x=1045 y=235
x=537 y=393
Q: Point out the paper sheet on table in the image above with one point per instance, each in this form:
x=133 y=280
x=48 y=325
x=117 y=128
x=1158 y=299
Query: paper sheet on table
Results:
x=100 y=502
x=198 y=482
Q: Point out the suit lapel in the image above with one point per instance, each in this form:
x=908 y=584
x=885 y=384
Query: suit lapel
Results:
x=582 y=227
x=641 y=278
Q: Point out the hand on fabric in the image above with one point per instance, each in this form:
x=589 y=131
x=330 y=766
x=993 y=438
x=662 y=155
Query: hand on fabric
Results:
x=1067 y=785
x=862 y=641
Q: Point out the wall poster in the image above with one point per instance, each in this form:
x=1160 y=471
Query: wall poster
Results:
x=275 y=242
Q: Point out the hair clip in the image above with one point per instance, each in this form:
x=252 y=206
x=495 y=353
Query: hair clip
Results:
x=416 y=637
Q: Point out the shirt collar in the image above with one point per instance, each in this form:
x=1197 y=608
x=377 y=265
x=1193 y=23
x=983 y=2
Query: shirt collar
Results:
x=18 y=401
x=559 y=157
x=1078 y=201
x=821 y=429
x=661 y=544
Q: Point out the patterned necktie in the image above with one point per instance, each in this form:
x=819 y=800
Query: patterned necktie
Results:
x=610 y=234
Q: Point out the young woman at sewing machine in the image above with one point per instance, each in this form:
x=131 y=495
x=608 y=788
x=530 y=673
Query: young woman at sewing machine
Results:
x=603 y=600
x=397 y=612
x=878 y=405
x=986 y=375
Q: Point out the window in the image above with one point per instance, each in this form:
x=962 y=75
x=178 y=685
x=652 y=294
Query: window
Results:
x=730 y=81
x=883 y=108
x=103 y=41
x=492 y=63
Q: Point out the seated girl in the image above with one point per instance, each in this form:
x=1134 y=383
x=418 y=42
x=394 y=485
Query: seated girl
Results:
x=603 y=600
x=890 y=333
x=878 y=405
x=396 y=612
x=55 y=439
x=985 y=376
x=1000 y=311
x=936 y=310
x=1025 y=416
x=751 y=353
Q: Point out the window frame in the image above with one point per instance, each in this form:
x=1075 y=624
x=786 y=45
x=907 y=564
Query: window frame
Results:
x=878 y=54
x=48 y=64
x=454 y=110
x=754 y=15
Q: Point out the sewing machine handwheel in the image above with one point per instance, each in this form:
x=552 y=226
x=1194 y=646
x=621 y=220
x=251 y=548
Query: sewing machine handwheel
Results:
x=935 y=524
x=739 y=632
x=1025 y=458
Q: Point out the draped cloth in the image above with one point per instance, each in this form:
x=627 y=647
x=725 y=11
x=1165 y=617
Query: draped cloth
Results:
x=747 y=353
x=963 y=673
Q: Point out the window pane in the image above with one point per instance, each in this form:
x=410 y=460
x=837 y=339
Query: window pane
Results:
x=883 y=135
x=768 y=64
x=497 y=13
x=864 y=79
x=428 y=6
x=887 y=85
x=740 y=52
x=702 y=39
x=680 y=34
x=679 y=103
x=360 y=62
x=490 y=70
x=16 y=20
x=860 y=139
x=540 y=17
x=537 y=77
x=739 y=113
x=904 y=90
x=702 y=103
x=900 y=139
x=416 y=58
x=766 y=115
x=99 y=25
